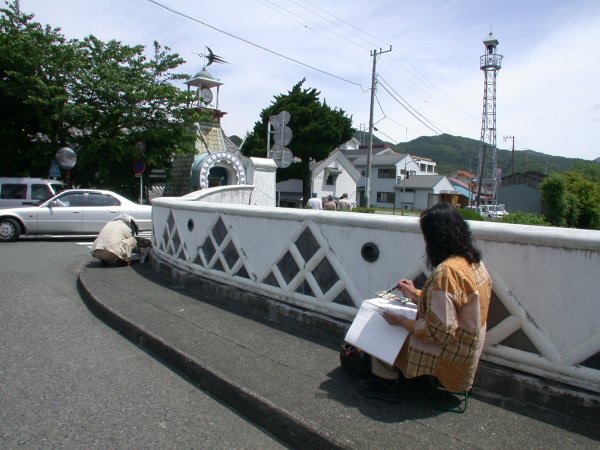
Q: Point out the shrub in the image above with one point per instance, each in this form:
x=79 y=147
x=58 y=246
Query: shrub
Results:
x=525 y=218
x=469 y=214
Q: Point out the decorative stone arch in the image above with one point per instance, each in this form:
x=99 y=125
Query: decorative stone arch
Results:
x=223 y=165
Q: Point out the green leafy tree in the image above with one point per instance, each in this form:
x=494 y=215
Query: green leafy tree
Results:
x=571 y=200
x=34 y=64
x=317 y=130
x=589 y=170
x=586 y=194
x=554 y=201
x=99 y=98
x=120 y=97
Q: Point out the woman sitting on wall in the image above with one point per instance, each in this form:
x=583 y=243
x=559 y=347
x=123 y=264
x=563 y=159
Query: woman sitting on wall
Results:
x=447 y=337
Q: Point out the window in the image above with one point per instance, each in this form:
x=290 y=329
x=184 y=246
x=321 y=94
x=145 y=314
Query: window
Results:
x=101 y=200
x=386 y=197
x=71 y=199
x=423 y=167
x=14 y=191
x=330 y=181
x=40 y=191
x=386 y=173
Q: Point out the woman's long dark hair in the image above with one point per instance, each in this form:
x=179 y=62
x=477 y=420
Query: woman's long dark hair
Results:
x=447 y=234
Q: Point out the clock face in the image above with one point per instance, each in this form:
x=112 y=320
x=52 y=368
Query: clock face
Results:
x=206 y=95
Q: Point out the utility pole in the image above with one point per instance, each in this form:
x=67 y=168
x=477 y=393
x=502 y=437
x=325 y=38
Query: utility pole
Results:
x=374 y=54
x=506 y=138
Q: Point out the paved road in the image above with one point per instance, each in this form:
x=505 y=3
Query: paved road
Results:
x=69 y=381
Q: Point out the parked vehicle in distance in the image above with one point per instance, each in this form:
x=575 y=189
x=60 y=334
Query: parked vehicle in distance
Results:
x=494 y=212
x=73 y=211
x=489 y=212
x=19 y=191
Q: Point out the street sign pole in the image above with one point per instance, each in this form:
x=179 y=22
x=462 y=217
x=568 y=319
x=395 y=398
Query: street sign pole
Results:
x=141 y=190
x=138 y=168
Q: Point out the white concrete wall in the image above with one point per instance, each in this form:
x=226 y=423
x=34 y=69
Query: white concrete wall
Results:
x=547 y=279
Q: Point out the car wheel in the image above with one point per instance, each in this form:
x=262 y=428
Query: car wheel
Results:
x=10 y=230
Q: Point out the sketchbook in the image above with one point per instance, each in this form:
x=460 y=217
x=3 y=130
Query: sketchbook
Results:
x=371 y=333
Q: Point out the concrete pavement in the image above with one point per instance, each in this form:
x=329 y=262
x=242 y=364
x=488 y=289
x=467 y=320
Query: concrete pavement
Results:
x=291 y=384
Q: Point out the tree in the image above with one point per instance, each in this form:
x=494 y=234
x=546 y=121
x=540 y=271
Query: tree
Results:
x=587 y=198
x=120 y=97
x=317 y=130
x=99 y=98
x=33 y=60
x=554 y=200
x=571 y=200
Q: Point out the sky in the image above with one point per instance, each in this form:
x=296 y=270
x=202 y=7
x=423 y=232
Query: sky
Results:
x=548 y=89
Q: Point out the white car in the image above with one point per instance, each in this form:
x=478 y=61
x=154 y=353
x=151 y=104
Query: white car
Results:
x=490 y=212
x=73 y=211
x=493 y=212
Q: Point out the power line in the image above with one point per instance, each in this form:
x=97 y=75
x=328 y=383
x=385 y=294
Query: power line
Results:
x=411 y=110
x=354 y=27
x=442 y=107
x=441 y=97
x=314 y=26
x=253 y=44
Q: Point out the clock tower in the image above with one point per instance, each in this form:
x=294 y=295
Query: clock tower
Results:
x=207 y=91
x=216 y=161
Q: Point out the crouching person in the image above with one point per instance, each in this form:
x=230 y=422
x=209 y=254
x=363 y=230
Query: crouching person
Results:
x=446 y=339
x=116 y=241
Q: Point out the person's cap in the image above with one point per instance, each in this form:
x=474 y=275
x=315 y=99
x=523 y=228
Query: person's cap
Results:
x=330 y=197
x=314 y=194
x=125 y=218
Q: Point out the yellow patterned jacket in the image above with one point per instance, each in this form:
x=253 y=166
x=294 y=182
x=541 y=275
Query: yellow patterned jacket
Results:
x=450 y=327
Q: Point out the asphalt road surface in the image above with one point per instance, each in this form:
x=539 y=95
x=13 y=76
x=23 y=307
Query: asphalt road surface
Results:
x=69 y=381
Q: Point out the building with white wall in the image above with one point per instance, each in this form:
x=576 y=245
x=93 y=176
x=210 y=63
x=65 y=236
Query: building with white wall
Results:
x=387 y=169
x=418 y=192
x=335 y=176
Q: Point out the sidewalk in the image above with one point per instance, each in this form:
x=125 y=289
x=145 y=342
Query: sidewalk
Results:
x=293 y=386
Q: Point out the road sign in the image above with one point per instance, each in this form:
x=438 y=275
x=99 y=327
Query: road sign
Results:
x=138 y=166
x=283 y=157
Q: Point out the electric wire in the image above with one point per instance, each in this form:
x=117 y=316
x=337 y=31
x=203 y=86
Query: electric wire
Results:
x=254 y=44
x=281 y=10
x=352 y=26
x=361 y=32
x=314 y=27
x=446 y=102
x=416 y=114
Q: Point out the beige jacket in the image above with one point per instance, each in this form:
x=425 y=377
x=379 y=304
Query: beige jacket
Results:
x=115 y=239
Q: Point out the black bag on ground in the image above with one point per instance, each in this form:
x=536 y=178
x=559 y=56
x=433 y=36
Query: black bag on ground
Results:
x=355 y=361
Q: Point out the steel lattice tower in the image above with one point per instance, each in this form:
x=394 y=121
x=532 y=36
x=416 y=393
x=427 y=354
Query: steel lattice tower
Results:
x=487 y=177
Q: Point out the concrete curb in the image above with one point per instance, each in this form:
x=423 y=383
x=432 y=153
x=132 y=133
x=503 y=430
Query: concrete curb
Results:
x=292 y=430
